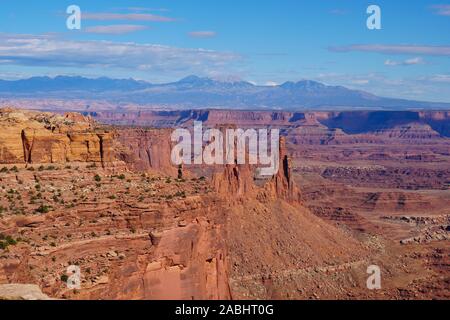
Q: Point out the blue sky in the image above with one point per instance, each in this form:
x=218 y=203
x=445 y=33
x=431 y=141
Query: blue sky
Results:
x=265 y=42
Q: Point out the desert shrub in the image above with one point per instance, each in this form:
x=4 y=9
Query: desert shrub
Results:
x=10 y=241
x=41 y=168
x=43 y=209
x=92 y=166
x=64 y=278
x=14 y=169
x=6 y=241
x=121 y=177
x=4 y=170
x=181 y=194
x=180 y=172
x=97 y=178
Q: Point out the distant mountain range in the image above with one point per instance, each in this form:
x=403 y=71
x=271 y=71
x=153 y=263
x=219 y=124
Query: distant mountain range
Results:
x=196 y=92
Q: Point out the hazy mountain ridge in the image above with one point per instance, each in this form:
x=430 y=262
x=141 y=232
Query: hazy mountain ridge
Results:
x=197 y=92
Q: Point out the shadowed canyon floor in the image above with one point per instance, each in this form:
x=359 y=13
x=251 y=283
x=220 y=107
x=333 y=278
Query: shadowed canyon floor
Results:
x=105 y=198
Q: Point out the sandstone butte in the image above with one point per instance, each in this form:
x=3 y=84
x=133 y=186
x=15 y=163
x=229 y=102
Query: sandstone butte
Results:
x=153 y=235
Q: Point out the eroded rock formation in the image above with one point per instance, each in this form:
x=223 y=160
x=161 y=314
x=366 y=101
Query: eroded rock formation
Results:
x=282 y=184
x=144 y=233
x=146 y=149
x=33 y=137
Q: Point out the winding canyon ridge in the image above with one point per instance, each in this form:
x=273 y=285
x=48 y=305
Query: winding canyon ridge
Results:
x=97 y=190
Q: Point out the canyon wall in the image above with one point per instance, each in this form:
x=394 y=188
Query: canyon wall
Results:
x=29 y=137
x=145 y=149
x=34 y=138
x=147 y=235
x=350 y=122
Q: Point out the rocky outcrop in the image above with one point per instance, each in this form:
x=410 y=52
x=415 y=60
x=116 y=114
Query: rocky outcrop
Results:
x=41 y=146
x=32 y=137
x=235 y=180
x=189 y=263
x=350 y=122
x=238 y=181
x=144 y=235
x=145 y=149
x=21 y=292
x=282 y=184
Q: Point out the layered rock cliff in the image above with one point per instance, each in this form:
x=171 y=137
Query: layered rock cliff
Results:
x=350 y=122
x=145 y=234
x=32 y=137
x=145 y=149
x=238 y=181
x=282 y=185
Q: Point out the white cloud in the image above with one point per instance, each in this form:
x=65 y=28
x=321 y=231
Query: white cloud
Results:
x=144 y=9
x=105 y=16
x=360 y=81
x=428 y=88
x=442 y=9
x=339 y=12
x=202 y=34
x=395 y=49
x=46 y=51
x=443 y=78
x=115 y=29
x=407 y=62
